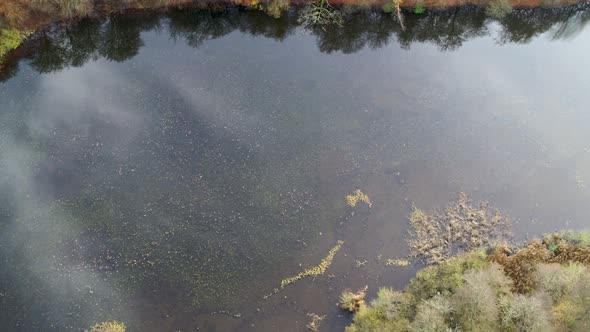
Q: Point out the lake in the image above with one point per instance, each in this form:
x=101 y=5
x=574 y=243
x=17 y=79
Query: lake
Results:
x=168 y=170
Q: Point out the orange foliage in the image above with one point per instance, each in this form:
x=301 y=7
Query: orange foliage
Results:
x=520 y=265
x=14 y=11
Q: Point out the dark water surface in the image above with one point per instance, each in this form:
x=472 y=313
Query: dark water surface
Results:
x=168 y=170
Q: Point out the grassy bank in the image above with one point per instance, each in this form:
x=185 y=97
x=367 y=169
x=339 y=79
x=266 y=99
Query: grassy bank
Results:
x=541 y=286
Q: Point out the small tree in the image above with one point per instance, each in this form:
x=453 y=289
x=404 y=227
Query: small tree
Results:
x=319 y=13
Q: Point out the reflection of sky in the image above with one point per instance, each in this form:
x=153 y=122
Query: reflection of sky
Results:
x=504 y=123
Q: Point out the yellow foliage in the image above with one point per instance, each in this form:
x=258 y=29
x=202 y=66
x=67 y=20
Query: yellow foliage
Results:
x=316 y=270
x=275 y=8
x=358 y=196
x=10 y=39
x=112 y=326
x=566 y=312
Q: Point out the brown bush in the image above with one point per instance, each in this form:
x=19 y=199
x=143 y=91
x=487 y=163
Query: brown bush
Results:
x=520 y=265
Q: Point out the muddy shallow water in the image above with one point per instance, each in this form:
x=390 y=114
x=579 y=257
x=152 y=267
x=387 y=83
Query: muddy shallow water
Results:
x=168 y=171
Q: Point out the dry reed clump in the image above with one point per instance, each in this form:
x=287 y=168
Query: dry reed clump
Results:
x=111 y=326
x=353 y=301
x=434 y=238
x=314 y=324
x=316 y=270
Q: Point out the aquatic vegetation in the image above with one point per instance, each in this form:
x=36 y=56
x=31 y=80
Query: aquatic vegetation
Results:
x=111 y=326
x=353 y=301
x=314 y=324
x=419 y=9
x=475 y=291
x=498 y=8
x=397 y=262
x=316 y=270
x=435 y=237
x=227 y=313
x=358 y=196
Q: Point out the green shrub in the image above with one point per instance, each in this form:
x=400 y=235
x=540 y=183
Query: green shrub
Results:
x=431 y=315
x=390 y=304
x=419 y=9
x=10 y=39
x=389 y=7
x=369 y=320
x=498 y=8
x=445 y=278
x=581 y=239
x=352 y=301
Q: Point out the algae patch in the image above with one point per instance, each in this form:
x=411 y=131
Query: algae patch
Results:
x=316 y=270
x=111 y=326
x=358 y=196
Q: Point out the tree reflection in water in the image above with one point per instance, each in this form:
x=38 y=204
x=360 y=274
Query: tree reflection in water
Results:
x=118 y=38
